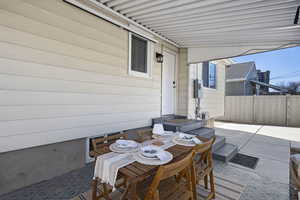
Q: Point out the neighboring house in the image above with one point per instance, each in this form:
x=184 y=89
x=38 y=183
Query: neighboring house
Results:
x=242 y=79
x=238 y=78
x=67 y=75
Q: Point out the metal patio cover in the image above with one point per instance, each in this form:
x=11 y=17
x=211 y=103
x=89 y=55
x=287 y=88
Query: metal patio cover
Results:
x=215 y=23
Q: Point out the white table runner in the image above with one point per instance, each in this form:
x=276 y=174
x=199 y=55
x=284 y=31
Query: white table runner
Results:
x=108 y=165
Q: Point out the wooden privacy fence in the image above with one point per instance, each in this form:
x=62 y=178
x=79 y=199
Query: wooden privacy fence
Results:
x=270 y=110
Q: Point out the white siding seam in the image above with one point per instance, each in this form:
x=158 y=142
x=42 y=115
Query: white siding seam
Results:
x=62 y=66
x=63 y=55
x=83 y=115
x=104 y=83
x=82 y=126
x=73 y=92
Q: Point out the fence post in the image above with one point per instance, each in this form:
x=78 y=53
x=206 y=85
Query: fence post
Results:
x=286 y=107
x=253 y=109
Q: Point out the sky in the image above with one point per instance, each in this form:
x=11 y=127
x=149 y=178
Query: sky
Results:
x=284 y=64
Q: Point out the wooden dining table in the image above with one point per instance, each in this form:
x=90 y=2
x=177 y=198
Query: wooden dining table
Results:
x=136 y=172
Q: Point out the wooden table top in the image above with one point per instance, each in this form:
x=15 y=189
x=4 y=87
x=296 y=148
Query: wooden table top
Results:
x=136 y=172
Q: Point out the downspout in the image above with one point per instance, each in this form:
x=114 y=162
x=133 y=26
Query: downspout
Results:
x=161 y=81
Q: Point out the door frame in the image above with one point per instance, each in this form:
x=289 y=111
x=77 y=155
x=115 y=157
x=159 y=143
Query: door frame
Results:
x=175 y=54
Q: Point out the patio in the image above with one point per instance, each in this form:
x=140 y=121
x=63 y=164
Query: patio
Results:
x=270 y=179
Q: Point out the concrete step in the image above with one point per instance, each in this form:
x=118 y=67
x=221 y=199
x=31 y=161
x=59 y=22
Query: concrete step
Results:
x=165 y=118
x=219 y=143
x=183 y=126
x=193 y=125
x=225 y=153
x=203 y=132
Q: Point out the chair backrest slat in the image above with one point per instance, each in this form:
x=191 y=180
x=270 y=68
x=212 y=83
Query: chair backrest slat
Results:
x=183 y=166
x=144 y=134
x=204 y=150
x=101 y=144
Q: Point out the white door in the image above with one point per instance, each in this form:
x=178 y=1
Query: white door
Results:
x=168 y=84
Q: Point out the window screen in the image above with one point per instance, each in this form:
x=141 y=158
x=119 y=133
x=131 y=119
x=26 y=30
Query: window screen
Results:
x=209 y=74
x=138 y=54
x=212 y=75
x=205 y=70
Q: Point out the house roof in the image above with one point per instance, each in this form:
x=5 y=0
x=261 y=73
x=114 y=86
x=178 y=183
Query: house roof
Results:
x=214 y=23
x=239 y=71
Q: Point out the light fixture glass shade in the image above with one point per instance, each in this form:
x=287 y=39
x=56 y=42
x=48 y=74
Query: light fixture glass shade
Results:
x=159 y=58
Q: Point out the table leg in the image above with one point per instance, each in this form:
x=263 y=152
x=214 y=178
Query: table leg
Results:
x=124 y=195
x=132 y=195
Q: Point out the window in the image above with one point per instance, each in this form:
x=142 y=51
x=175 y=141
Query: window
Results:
x=209 y=75
x=139 y=56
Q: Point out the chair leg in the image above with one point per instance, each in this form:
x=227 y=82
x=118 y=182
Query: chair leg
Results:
x=193 y=183
x=106 y=192
x=206 y=182
x=212 y=184
x=94 y=189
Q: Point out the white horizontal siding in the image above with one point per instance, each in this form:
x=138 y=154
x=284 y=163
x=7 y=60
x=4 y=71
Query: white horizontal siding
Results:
x=64 y=75
x=213 y=99
x=182 y=83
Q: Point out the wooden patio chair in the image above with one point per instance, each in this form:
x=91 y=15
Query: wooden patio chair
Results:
x=144 y=134
x=204 y=169
x=100 y=147
x=165 y=186
x=101 y=144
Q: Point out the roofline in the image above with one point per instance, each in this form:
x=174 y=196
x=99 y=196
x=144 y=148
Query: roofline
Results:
x=253 y=66
x=236 y=80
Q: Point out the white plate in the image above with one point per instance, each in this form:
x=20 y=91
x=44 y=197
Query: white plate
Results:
x=126 y=143
x=161 y=136
x=114 y=147
x=150 y=161
x=144 y=157
x=179 y=141
x=153 y=148
x=165 y=135
x=168 y=133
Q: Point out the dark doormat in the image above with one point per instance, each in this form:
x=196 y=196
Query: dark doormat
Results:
x=245 y=160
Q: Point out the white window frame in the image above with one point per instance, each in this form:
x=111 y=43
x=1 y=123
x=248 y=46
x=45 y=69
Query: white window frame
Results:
x=149 y=58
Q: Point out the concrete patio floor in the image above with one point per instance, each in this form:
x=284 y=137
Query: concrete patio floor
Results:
x=271 y=144
x=269 y=181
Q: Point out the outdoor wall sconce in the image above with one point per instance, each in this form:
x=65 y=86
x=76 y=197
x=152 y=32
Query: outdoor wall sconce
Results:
x=159 y=57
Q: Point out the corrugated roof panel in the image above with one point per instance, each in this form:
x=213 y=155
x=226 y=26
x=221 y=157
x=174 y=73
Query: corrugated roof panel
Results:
x=195 y=23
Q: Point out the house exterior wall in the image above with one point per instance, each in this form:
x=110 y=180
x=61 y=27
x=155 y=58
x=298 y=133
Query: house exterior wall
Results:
x=242 y=88
x=182 y=84
x=235 y=88
x=64 y=77
x=249 y=88
x=213 y=99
